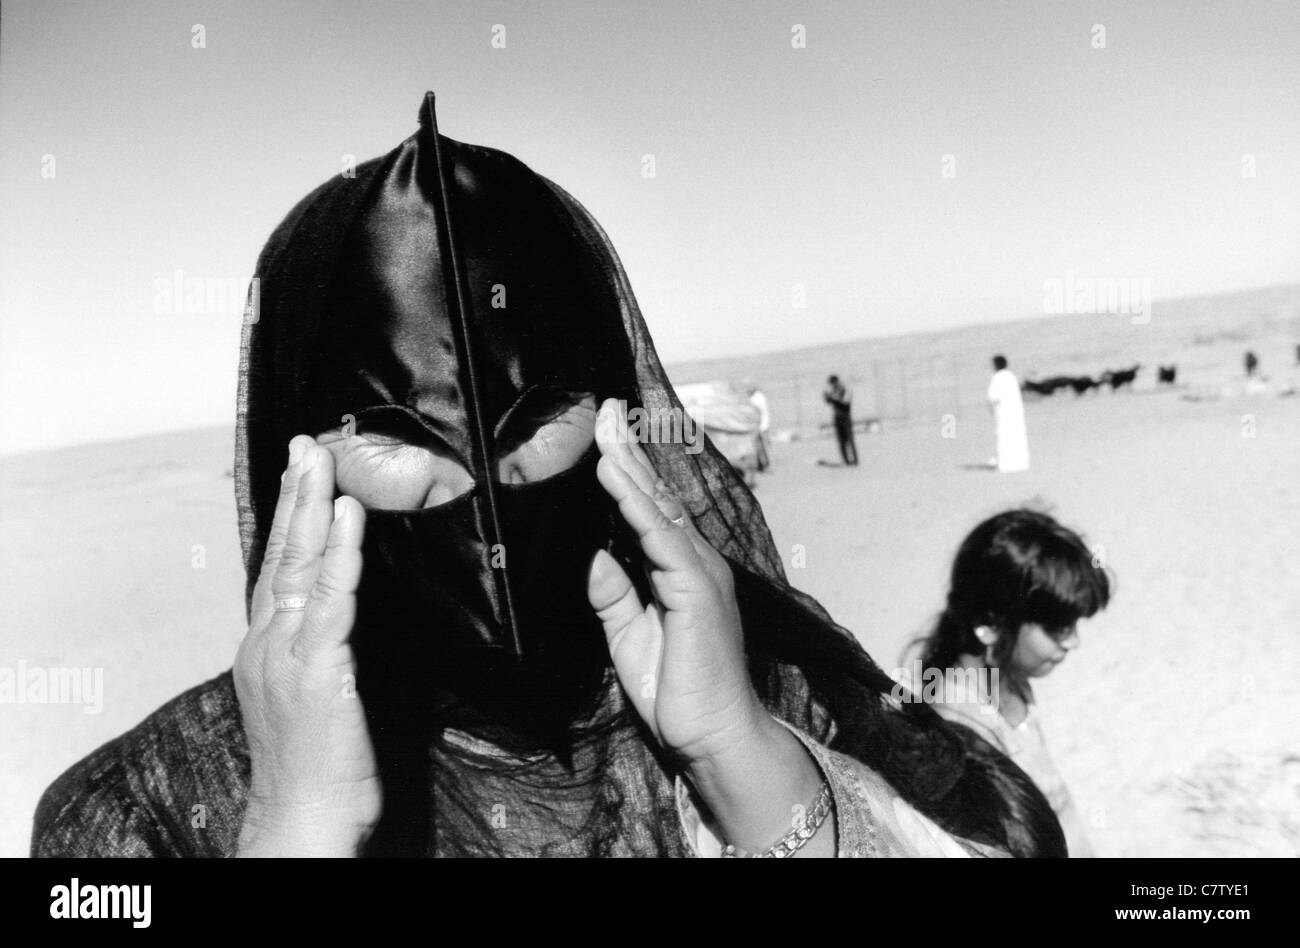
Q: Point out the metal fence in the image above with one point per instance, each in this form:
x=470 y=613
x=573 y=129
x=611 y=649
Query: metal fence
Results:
x=892 y=391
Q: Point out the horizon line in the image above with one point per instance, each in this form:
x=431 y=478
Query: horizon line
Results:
x=1007 y=321
x=671 y=367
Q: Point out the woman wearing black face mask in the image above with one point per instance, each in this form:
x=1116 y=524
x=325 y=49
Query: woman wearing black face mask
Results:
x=316 y=786
x=474 y=633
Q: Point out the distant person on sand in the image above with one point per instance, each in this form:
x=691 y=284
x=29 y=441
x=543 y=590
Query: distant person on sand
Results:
x=1008 y=419
x=841 y=401
x=1252 y=364
x=1020 y=584
x=759 y=401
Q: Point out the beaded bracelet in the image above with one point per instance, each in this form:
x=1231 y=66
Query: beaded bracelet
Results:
x=793 y=841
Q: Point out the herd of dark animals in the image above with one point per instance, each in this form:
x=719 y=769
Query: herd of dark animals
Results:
x=1115 y=378
x=1165 y=375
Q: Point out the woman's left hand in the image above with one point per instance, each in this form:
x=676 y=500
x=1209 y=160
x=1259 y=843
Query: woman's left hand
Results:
x=681 y=656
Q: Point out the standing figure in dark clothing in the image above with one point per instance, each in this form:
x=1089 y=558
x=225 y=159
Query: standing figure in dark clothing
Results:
x=841 y=401
x=1252 y=364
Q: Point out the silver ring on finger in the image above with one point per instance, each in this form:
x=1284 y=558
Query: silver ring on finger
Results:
x=679 y=521
x=291 y=604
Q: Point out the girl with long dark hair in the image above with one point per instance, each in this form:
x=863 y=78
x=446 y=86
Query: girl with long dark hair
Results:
x=1020 y=584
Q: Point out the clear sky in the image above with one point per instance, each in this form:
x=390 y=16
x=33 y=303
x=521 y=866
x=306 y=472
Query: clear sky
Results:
x=775 y=166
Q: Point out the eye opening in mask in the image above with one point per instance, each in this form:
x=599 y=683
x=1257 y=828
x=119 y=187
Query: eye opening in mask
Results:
x=545 y=432
x=390 y=460
x=392 y=424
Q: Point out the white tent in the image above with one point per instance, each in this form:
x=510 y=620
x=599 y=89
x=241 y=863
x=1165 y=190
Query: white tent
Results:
x=729 y=418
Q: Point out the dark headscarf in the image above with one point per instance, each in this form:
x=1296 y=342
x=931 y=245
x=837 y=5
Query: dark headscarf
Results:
x=599 y=787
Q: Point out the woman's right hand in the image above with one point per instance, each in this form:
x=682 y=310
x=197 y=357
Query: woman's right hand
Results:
x=315 y=789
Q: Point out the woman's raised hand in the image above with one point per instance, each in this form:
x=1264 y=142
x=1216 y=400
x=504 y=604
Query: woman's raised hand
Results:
x=315 y=789
x=681 y=656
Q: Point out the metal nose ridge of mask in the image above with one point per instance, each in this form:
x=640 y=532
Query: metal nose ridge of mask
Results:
x=458 y=299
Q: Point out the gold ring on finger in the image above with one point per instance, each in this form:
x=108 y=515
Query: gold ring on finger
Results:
x=291 y=604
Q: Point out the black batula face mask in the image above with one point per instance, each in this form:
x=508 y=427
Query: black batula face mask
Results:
x=461 y=295
x=433 y=635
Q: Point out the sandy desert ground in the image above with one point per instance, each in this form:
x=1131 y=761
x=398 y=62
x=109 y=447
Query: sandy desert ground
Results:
x=1174 y=723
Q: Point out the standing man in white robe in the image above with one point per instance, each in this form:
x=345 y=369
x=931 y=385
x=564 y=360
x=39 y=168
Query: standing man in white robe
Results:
x=759 y=401
x=1008 y=419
